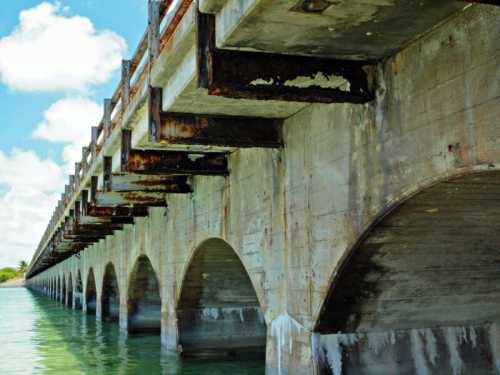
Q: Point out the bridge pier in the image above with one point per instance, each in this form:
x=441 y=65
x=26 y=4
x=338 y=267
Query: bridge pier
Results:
x=289 y=348
x=170 y=333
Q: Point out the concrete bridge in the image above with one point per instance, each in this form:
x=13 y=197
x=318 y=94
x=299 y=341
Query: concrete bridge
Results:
x=314 y=181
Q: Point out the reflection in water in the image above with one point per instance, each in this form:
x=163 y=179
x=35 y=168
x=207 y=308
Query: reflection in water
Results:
x=39 y=336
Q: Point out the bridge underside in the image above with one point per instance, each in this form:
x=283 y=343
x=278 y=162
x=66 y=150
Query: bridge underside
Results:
x=234 y=197
x=418 y=294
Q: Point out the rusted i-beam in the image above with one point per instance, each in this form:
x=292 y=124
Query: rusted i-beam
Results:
x=169 y=162
x=271 y=76
x=133 y=182
x=190 y=129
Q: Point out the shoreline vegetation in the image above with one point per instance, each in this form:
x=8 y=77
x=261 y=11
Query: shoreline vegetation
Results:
x=11 y=277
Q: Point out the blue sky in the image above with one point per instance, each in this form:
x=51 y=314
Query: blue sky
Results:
x=21 y=111
x=51 y=92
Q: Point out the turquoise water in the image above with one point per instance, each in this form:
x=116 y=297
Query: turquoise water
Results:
x=40 y=336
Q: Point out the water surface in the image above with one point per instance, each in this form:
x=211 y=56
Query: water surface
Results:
x=40 y=336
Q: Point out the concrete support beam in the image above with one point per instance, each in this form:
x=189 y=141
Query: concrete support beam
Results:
x=173 y=129
x=102 y=220
x=113 y=199
x=125 y=189
x=169 y=162
x=120 y=183
x=269 y=76
x=123 y=182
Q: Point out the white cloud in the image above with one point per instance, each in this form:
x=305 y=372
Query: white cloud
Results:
x=68 y=121
x=50 y=51
x=30 y=189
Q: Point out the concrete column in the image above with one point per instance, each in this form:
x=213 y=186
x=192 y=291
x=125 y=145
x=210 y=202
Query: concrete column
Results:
x=125 y=240
x=169 y=328
x=98 y=308
x=123 y=318
x=289 y=348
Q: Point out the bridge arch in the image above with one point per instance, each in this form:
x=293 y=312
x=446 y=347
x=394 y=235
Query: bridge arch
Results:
x=69 y=298
x=91 y=293
x=417 y=292
x=144 y=300
x=218 y=309
x=110 y=296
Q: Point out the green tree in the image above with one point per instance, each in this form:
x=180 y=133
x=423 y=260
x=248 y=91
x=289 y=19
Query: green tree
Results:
x=23 y=267
x=7 y=273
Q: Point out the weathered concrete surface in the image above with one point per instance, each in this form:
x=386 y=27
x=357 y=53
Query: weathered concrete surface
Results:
x=422 y=282
x=350 y=29
x=292 y=215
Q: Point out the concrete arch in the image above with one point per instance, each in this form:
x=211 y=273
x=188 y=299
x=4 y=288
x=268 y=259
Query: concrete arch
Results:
x=78 y=291
x=91 y=293
x=69 y=297
x=423 y=274
x=110 y=295
x=218 y=309
x=143 y=298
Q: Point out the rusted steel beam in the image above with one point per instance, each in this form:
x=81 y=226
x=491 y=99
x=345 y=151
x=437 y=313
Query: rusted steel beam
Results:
x=126 y=182
x=269 y=76
x=72 y=248
x=89 y=226
x=169 y=162
x=88 y=221
x=147 y=198
x=217 y=130
x=170 y=128
x=88 y=238
x=73 y=230
x=126 y=189
x=117 y=212
x=132 y=182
